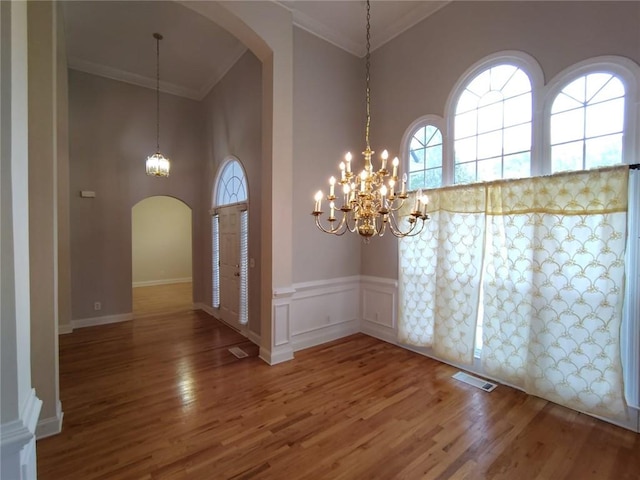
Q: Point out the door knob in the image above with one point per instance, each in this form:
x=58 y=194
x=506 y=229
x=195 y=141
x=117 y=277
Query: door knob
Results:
x=236 y=274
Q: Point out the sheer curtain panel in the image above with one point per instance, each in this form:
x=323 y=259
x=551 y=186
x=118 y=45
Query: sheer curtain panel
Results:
x=554 y=285
x=551 y=251
x=439 y=278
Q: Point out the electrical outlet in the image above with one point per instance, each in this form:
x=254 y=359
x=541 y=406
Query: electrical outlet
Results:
x=97 y=306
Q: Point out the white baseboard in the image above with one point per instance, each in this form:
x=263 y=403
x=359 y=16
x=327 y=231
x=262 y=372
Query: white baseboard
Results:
x=95 y=321
x=251 y=336
x=277 y=355
x=381 y=332
x=167 y=281
x=324 y=334
x=205 y=308
x=254 y=337
x=65 y=329
x=48 y=427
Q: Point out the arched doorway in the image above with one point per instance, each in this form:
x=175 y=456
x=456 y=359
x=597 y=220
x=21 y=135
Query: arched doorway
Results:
x=230 y=240
x=161 y=256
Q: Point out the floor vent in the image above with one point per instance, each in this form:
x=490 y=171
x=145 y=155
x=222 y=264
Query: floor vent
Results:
x=238 y=352
x=475 y=381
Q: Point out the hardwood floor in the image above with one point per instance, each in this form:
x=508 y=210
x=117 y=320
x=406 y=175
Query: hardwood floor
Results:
x=162 y=299
x=162 y=398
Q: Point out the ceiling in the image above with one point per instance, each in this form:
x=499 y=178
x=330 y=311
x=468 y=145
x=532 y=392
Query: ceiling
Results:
x=114 y=38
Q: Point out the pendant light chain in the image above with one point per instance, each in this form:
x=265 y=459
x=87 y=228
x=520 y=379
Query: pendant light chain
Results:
x=368 y=66
x=158 y=37
x=157 y=165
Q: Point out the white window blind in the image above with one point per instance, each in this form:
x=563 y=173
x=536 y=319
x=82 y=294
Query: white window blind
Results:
x=244 y=271
x=215 y=261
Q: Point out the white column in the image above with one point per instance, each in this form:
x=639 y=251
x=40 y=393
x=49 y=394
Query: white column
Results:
x=20 y=406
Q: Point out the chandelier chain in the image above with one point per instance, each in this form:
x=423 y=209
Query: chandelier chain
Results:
x=368 y=77
x=371 y=205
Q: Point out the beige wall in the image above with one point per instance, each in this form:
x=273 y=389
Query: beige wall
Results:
x=62 y=141
x=328 y=120
x=234 y=128
x=43 y=215
x=111 y=132
x=161 y=241
x=414 y=74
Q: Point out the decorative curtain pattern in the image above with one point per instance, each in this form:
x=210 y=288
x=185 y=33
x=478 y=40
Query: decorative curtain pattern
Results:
x=439 y=291
x=554 y=284
x=552 y=290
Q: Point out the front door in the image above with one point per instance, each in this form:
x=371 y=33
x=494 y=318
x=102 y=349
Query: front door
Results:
x=229 y=224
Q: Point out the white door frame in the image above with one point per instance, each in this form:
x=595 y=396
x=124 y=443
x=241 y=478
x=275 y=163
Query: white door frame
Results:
x=230 y=192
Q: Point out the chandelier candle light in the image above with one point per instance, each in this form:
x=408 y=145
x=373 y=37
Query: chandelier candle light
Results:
x=368 y=204
x=157 y=164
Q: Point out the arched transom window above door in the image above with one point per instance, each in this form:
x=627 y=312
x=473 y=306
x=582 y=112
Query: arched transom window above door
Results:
x=232 y=184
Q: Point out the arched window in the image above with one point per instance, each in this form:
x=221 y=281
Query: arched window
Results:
x=492 y=126
x=502 y=121
x=422 y=151
x=232 y=184
x=587 y=123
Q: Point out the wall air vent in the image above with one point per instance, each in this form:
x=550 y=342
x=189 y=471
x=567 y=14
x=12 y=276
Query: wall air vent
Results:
x=475 y=381
x=238 y=352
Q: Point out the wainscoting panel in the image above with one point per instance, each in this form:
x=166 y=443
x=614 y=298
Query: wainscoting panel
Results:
x=379 y=300
x=323 y=311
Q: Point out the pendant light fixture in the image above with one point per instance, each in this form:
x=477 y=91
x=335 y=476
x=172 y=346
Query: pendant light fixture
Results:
x=369 y=206
x=157 y=164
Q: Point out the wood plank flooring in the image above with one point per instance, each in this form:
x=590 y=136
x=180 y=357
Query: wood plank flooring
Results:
x=162 y=299
x=162 y=398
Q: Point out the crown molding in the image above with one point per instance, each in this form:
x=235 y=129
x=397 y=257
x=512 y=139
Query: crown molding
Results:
x=408 y=20
x=325 y=32
x=219 y=75
x=132 y=78
x=385 y=33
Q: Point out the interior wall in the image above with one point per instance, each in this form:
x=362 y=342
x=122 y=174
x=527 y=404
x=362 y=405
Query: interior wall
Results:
x=414 y=74
x=111 y=132
x=160 y=241
x=43 y=214
x=62 y=145
x=328 y=121
x=234 y=128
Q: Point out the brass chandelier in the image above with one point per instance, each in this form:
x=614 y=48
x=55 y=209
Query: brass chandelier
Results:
x=368 y=204
x=157 y=165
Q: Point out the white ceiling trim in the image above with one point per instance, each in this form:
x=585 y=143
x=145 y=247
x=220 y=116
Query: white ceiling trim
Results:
x=407 y=21
x=385 y=34
x=146 y=82
x=326 y=33
x=216 y=77
x=132 y=78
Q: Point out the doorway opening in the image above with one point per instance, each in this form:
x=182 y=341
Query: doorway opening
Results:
x=161 y=256
x=230 y=240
